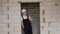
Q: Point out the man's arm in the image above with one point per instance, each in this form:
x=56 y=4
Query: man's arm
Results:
x=30 y=18
x=22 y=23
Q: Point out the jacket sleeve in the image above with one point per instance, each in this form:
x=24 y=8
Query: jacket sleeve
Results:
x=28 y=14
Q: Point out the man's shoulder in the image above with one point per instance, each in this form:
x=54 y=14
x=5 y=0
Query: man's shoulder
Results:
x=28 y=14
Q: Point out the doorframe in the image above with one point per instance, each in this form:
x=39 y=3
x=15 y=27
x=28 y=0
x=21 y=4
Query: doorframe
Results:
x=31 y=2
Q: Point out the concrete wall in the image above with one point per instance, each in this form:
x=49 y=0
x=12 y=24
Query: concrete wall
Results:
x=10 y=16
x=50 y=19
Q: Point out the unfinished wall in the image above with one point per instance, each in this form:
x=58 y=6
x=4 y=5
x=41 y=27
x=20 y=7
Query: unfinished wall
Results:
x=50 y=19
x=49 y=16
x=10 y=17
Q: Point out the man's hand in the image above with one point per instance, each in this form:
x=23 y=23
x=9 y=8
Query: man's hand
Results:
x=22 y=24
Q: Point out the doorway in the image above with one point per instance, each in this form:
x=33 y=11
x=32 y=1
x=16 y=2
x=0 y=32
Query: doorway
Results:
x=34 y=10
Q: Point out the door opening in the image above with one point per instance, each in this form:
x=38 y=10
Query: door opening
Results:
x=33 y=9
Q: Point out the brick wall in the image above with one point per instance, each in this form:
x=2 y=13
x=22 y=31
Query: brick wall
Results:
x=50 y=19
x=10 y=17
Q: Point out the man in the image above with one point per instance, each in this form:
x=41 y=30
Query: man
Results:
x=26 y=22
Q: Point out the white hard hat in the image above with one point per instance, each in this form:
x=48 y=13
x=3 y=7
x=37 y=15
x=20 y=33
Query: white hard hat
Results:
x=23 y=10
